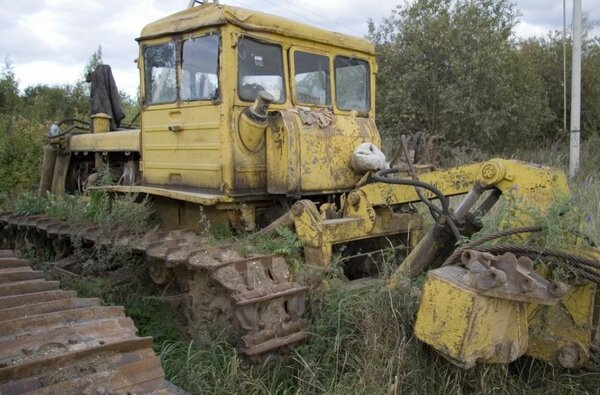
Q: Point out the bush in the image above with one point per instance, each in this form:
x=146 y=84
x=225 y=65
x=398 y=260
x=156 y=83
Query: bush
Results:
x=20 y=155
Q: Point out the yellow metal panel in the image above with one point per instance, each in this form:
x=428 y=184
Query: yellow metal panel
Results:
x=529 y=182
x=211 y=14
x=466 y=327
x=303 y=159
x=106 y=142
x=249 y=167
x=181 y=145
x=561 y=334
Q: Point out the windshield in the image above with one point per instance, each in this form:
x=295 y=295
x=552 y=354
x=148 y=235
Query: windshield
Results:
x=260 y=67
x=312 y=78
x=352 y=90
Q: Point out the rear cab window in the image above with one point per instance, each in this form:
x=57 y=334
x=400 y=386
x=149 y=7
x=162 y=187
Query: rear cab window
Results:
x=185 y=70
x=260 y=67
x=160 y=73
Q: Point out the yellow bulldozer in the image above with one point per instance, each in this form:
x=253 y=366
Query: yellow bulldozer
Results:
x=255 y=122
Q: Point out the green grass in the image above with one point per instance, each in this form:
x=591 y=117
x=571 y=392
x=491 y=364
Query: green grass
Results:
x=109 y=211
x=360 y=343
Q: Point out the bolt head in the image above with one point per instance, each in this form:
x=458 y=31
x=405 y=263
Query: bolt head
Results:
x=489 y=171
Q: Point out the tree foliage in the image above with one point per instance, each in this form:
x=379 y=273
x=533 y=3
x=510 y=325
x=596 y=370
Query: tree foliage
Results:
x=10 y=102
x=456 y=69
x=26 y=116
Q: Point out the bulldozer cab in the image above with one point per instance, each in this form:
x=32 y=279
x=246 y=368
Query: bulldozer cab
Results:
x=203 y=67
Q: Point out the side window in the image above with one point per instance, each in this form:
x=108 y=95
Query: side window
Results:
x=199 y=68
x=352 y=90
x=160 y=74
x=260 y=67
x=312 y=78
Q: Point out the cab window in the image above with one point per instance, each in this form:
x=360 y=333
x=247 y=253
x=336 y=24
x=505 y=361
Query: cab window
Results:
x=311 y=78
x=352 y=90
x=199 y=68
x=160 y=73
x=260 y=67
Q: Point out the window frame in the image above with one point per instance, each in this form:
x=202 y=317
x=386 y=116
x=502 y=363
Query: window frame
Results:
x=366 y=111
x=292 y=77
x=284 y=76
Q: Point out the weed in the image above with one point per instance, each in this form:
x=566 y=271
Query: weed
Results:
x=283 y=242
x=154 y=318
x=29 y=203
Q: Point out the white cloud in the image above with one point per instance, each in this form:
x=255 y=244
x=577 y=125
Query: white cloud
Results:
x=48 y=72
x=49 y=41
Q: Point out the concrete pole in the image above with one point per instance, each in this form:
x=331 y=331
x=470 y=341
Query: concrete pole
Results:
x=575 y=91
x=564 y=37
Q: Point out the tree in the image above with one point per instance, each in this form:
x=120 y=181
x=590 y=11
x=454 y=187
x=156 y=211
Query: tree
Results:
x=95 y=61
x=545 y=56
x=55 y=103
x=10 y=101
x=450 y=68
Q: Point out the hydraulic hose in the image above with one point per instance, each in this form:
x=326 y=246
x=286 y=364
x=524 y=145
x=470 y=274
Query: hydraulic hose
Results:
x=380 y=176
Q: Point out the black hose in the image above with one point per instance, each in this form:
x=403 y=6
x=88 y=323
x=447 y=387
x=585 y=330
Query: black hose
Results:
x=380 y=176
x=433 y=209
x=73 y=120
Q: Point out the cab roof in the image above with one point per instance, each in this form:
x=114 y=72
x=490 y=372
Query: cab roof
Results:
x=212 y=14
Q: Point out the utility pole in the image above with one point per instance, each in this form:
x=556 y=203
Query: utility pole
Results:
x=564 y=39
x=575 y=91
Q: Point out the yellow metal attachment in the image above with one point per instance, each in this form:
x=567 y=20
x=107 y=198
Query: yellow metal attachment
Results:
x=561 y=334
x=496 y=308
x=467 y=327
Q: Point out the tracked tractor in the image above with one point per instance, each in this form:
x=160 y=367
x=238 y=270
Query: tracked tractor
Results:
x=255 y=122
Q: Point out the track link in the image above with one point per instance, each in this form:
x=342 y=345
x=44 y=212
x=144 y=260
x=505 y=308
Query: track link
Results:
x=256 y=294
x=52 y=342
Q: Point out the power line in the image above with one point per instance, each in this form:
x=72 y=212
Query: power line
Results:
x=307 y=12
x=302 y=14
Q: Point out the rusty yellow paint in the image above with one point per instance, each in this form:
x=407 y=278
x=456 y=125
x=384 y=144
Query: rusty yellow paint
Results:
x=561 y=334
x=101 y=123
x=530 y=182
x=307 y=159
x=189 y=156
x=365 y=213
x=124 y=141
x=466 y=327
x=211 y=15
x=200 y=144
x=319 y=234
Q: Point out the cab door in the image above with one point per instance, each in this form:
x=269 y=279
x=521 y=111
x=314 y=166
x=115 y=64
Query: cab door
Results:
x=181 y=122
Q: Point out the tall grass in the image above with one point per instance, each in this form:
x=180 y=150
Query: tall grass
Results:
x=362 y=342
x=111 y=212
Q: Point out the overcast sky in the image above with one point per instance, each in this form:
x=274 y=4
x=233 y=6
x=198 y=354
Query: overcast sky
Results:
x=50 y=41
